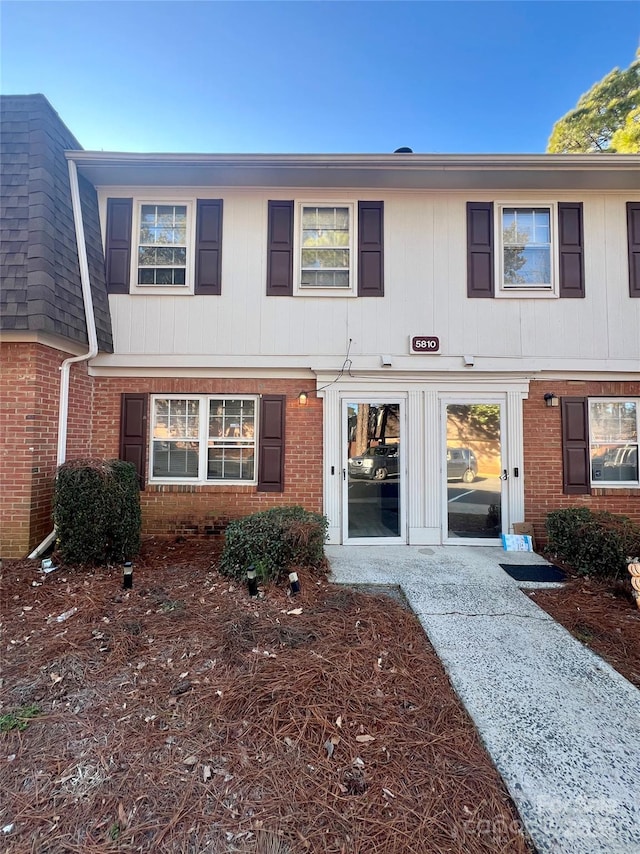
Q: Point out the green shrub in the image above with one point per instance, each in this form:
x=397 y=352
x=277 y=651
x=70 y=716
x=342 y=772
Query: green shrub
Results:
x=562 y=527
x=274 y=541
x=96 y=511
x=593 y=543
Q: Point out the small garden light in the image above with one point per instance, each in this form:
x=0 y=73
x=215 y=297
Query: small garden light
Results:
x=294 y=584
x=127 y=575
x=252 y=581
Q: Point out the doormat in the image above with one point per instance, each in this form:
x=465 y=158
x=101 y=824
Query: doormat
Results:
x=533 y=572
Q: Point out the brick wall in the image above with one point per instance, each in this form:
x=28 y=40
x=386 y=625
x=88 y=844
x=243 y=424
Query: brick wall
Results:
x=543 y=454
x=29 y=396
x=187 y=509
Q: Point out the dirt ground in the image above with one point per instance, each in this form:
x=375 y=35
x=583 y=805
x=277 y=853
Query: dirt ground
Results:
x=184 y=716
x=602 y=615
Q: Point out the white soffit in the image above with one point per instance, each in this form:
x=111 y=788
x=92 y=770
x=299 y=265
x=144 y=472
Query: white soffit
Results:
x=619 y=172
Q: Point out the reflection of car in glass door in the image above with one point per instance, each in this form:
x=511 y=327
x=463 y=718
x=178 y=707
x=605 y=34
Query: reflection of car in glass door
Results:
x=461 y=463
x=377 y=463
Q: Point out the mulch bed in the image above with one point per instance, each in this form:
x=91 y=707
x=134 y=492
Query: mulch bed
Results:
x=602 y=615
x=183 y=716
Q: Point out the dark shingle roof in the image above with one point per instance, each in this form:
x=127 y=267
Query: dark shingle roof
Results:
x=41 y=289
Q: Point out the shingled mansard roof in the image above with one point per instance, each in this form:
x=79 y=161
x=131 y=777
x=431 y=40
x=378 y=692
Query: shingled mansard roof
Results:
x=40 y=291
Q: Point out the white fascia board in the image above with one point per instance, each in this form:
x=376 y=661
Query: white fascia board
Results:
x=407 y=368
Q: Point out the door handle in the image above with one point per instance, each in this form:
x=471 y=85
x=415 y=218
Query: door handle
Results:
x=344 y=474
x=504 y=475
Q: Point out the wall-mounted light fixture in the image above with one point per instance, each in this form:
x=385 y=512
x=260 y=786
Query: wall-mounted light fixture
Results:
x=550 y=399
x=469 y=361
x=302 y=398
x=386 y=361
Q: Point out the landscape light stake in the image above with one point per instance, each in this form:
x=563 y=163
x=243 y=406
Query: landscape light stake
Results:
x=294 y=584
x=127 y=575
x=252 y=581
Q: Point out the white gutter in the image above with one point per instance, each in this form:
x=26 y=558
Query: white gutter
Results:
x=65 y=367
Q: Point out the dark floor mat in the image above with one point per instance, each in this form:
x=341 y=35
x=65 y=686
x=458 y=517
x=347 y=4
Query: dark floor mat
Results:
x=533 y=572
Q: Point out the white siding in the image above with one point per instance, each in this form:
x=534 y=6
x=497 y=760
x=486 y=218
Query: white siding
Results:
x=425 y=293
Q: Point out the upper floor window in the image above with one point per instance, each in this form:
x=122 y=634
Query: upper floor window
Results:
x=162 y=245
x=526 y=259
x=326 y=246
x=518 y=250
x=613 y=441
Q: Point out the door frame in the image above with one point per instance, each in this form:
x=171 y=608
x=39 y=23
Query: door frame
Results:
x=469 y=400
x=357 y=397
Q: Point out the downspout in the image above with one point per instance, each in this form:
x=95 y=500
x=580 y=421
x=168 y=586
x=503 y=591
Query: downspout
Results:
x=65 y=367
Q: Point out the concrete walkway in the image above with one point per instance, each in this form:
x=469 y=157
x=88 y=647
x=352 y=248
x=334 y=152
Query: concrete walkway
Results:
x=562 y=727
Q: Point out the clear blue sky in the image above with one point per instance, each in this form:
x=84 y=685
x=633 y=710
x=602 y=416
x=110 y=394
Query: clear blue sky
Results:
x=313 y=76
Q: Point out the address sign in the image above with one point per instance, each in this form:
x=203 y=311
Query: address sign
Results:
x=424 y=344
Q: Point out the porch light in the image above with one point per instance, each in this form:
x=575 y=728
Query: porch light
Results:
x=550 y=399
x=302 y=398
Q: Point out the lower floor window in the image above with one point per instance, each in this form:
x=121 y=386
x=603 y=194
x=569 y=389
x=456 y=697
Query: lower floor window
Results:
x=613 y=438
x=204 y=438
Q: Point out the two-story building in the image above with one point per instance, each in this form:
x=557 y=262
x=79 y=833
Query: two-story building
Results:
x=426 y=348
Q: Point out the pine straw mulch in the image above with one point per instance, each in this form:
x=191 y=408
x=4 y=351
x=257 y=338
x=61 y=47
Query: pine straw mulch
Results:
x=602 y=615
x=183 y=716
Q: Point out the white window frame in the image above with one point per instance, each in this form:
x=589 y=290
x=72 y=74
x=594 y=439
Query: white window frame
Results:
x=516 y=291
x=203 y=440
x=310 y=291
x=188 y=287
x=613 y=484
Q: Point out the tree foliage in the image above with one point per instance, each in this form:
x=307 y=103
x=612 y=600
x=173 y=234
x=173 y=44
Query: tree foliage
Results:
x=605 y=119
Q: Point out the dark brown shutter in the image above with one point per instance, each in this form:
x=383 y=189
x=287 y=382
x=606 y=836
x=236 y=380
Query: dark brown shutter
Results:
x=633 y=232
x=370 y=249
x=570 y=249
x=480 y=273
x=208 y=246
x=575 y=446
x=118 y=245
x=271 y=443
x=133 y=432
x=280 y=249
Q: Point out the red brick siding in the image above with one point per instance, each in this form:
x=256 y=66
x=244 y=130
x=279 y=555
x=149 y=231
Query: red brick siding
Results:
x=543 y=454
x=186 y=509
x=29 y=395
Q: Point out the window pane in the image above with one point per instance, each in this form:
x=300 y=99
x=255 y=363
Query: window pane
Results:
x=527 y=265
x=175 y=459
x=610 y=464
x=524 y=226
x=327 y=279
x=613 y=421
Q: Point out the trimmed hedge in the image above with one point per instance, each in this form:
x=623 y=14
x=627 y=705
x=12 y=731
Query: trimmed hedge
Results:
x=273 y=541
x=593 y=542
x=96 y=511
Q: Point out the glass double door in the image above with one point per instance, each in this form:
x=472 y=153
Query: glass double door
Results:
x=466 y=468
x=372 y=476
